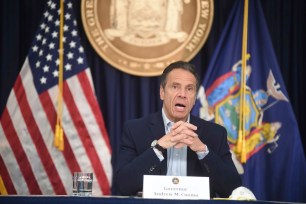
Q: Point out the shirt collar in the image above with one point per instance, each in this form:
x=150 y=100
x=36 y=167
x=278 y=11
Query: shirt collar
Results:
x=166 y=119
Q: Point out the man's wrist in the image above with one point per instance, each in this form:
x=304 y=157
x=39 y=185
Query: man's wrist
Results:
x=204 y=149
x=202 y=154
x=158 y=154
x=155 y=145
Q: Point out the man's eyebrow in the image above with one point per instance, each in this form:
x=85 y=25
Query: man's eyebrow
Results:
x=175 y=83
x=191 y=85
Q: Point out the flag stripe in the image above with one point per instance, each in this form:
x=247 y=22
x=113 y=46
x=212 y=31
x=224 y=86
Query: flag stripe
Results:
x=75 y=142
x=10 y=160
x=23 y=162
x=24 y=133
x=9 y=186
x=94 y=132
x=47 y=136
x=94 y=106
x=73 y=139
x=36 y=136
x=51 y=113
x=85 y=138
x=91 y=125
x=93 y=118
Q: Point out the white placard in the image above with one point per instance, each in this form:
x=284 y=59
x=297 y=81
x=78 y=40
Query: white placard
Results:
x=176 y=187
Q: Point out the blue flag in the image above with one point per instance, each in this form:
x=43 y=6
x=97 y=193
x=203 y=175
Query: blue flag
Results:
x=275 y=167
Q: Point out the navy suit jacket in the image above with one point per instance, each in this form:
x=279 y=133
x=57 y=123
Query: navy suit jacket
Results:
x=137 y=158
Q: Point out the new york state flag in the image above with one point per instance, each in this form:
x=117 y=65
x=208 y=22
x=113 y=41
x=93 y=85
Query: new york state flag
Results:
x=274 y=166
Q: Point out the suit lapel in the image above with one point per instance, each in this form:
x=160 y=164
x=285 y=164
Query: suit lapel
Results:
x=157 y=128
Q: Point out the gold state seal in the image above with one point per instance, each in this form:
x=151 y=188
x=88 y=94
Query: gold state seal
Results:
x=141 y=37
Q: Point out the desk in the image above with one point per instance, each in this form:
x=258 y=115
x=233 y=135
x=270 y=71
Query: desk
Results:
x=112 y=200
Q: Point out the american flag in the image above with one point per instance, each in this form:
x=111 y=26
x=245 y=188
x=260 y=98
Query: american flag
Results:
x=29 y=162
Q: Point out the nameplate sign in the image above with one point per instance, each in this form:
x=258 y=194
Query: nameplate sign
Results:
x=176 y=187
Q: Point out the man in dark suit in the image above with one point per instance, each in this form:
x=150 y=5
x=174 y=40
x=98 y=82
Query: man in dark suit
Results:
x=173 y=142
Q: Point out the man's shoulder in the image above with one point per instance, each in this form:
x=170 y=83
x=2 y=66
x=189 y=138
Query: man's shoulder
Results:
x=145 y=119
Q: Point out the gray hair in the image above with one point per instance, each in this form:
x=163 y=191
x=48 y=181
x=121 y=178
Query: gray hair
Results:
x=179 y=65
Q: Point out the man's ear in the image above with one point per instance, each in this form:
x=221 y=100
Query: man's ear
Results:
x=161 y=93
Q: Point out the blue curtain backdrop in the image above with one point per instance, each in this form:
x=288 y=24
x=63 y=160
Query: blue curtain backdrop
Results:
x=122 y=96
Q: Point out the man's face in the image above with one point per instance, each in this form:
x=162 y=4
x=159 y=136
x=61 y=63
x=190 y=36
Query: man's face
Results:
x=179 y=94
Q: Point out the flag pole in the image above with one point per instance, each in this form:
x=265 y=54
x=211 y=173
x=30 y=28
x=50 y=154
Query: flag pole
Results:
x=241 y=146
x=59 y=137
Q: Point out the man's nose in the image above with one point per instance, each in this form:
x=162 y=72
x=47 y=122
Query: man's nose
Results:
x=182 y=93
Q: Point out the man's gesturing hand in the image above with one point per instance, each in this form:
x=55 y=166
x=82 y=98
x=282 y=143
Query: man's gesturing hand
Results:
x=183 y=133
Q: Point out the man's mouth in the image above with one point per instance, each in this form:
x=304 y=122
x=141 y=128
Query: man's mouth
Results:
x=180 y=106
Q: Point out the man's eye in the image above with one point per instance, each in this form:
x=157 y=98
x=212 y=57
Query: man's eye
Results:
x=190 y=89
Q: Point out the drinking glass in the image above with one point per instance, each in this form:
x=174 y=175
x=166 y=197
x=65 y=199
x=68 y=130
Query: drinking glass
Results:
x=82 y=184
